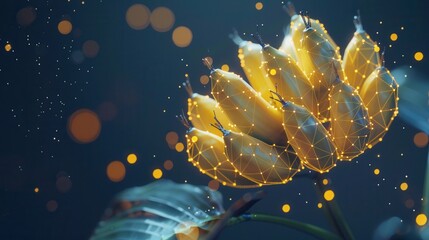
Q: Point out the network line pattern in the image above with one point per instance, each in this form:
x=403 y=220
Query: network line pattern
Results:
x=303 y=106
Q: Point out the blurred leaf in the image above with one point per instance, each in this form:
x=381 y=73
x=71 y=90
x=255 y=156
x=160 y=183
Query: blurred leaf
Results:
x=160 y=210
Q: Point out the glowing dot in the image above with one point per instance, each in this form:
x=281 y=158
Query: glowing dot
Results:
x=90 y=49
x=376 y=48
x=404 y=186
x=286 y=208
x=162 y=19
x=376 y=171
x=172 y=138
x=137 y=16
x=131 y=158
x=115 y=171
x=393 y=37
x=26 y=16
x=214 y=185
x=157 y=173
x=65 y=27
x=36 y=190
x=168 y=165
x=273 y=72
x=418 y=56
x=319 y=205
x=259 y=6
x=8 y=47
x=182 y=36
x=225 y=67
x=421 y=139
x=179 y=147
x=84 y=126
x=194 y=139
x=204 y=79
x=51 y=205
x=325 y=181
x=329 y=195
x=421 y=219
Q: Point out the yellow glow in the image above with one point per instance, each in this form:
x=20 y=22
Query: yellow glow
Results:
x=418 y=56
x=225 y=67
x=273 y=72
x=404 y=186
x=8 y=47
x=132 y=158
x=319 y=205
x=393 y=37
x=179 y=147
x=421 y=139
x=138 y=16
x=376 y=171
x=36 y=190
x=65 y=27
x=286 y=208
x=325 y=181
x=259 y=6
x=376 y=48
x=329 y=195
x=182 y=36
x=162 y=19
x=157 y=173
x=421 y=219
x=115 y=171
x=194 y=139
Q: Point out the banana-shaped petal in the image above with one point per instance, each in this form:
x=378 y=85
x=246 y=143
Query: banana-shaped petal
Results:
x=287 y=45
x=200 y=111
x=260 y=162
x=309 y=138
x=360 y=57
x=350 y=125
x=380 y=94
x=246 y=108
x=250 y=55
x=291 y=82
x=206 y=152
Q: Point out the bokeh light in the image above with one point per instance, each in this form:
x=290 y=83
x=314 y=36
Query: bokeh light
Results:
x=157 y=173
x=138 y=16
x=259 y=6
x=325 y=181
x=168 y=165
x=286 y=208
x=182 y=36
x=162 y=19
x=26 y=16
x=404 y=186
x=213 y=185
x=204 y=79
x=51 y=205
x=107 y=111
x=418 y=56
x=8 y=47
x=225 y=67
x=84 y=126
x=319 y=205
x=116 y=171
x=132 y=158
x=393 y=37
x=179 y=147
x=421 y=219
x=63 y=184
x=172 y=138
x=376 y=171
x=421 y=139
x=273 y=72
x=36 y=189
x=65 y=27
x=329 y=195
x=90 y=48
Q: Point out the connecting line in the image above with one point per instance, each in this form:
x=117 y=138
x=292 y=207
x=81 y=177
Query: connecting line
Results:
x=181 y=117
x=218 y=125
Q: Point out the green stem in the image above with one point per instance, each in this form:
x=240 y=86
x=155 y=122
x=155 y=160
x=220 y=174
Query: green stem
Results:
x=333 y=211
x=310 y=229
